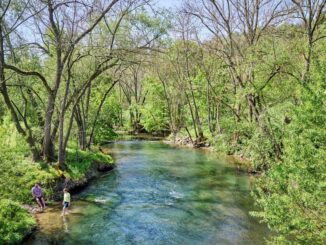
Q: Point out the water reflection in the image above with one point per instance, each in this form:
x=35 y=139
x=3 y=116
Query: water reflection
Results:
x=65 y=224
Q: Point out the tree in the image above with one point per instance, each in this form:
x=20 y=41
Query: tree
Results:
x=312 y=15
x=62 y=47
x=10 y=20
x=292 y=193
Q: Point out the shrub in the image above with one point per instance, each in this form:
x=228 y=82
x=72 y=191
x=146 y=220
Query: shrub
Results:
x=292 y=193
x=15 y=222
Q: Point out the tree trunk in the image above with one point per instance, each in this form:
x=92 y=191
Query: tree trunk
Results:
x=48 y=147
x=200 y=136
x=61 y=145
x=98 y=113
x=192 y=115
x=81 y=130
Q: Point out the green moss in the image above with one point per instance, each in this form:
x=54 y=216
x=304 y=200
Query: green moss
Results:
x=90 y=198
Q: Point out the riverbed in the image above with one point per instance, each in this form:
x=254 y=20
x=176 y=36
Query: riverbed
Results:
x=158 y=194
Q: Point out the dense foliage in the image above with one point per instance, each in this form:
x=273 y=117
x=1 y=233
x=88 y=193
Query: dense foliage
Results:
x=292 y=193
x=14 y=222
x=246 y=77
x=18 y=174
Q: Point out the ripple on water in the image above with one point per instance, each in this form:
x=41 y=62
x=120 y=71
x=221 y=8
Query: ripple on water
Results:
x=158 y=195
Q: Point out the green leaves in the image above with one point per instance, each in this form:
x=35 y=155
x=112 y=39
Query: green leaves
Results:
x=15 y=222
x=292 y=193
x=154 y=111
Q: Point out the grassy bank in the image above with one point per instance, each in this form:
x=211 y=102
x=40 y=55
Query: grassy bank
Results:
x=17 y=176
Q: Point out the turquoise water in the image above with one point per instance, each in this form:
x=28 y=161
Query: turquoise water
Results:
x=158 y=194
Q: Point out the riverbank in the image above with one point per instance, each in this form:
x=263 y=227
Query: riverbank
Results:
x=153 y=189
x=18 y=174
x=87 y=167
x=242 y=164
x=125 y=135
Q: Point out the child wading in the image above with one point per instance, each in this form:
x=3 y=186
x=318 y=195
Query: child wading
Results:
x=37 y=195
x=66 y=201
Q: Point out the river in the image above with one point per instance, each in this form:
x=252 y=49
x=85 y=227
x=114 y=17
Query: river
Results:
x=158 y=194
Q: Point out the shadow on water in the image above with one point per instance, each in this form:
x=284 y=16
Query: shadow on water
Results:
x=158 y=194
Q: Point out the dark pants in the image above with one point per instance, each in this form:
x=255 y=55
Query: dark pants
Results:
x=40 y=201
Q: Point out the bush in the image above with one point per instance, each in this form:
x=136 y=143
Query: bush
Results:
x=15 y=222
x=292 y=193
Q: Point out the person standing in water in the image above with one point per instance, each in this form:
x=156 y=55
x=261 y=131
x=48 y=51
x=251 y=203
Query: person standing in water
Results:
x=66 y=201
x=37 y=195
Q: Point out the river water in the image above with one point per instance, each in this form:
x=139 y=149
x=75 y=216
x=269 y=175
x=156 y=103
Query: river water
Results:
x=158 y=194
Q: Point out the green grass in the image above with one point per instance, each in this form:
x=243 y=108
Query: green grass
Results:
x=78 y=162
x=18 y=174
